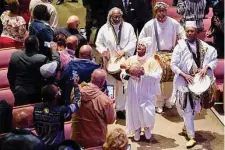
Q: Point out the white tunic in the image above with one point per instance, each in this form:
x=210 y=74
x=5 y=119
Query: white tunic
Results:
x=182 y=61
x=106 y=41
x=167 y=33
x=140 y=105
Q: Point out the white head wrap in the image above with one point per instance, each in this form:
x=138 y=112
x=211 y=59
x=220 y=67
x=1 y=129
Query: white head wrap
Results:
x=48 y=70
x=160 y=5
x=147 y=42
x=190 y=24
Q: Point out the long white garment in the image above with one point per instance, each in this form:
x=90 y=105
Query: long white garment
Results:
x=182 y=61
x=53 y=22
x=140 y=105
x=167 y=32
x=106 y=41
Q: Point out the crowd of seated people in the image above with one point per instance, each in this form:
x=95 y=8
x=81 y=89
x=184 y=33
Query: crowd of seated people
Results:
x=55 y=69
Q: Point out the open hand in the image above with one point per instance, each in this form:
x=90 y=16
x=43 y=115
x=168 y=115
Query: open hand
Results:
x=189 y=79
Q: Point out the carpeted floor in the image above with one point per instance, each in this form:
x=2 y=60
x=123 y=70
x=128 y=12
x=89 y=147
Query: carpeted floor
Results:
x=69 y=8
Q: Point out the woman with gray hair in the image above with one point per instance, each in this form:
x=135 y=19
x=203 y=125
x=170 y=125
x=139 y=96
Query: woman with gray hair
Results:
x=115 y=40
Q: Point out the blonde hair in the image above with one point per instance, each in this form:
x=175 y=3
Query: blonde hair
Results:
x=116 y=140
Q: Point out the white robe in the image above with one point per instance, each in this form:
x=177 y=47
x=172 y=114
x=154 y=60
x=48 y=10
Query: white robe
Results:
x=171 y=31
x=182 y=61
x=168 y=32
x=106 y=41
x=140 y=105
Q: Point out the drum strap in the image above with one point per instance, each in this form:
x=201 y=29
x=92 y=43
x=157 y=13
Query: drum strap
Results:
x=117 y=38
x=156 y=35
x=191 y=100
x=196 y=58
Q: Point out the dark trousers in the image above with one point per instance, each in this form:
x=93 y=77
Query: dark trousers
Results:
x=23 y=97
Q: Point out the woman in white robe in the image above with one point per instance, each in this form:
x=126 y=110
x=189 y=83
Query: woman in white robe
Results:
x=143 y=86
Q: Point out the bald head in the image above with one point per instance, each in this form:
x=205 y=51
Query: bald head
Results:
x=98 y=77
x=72 y=42
x=85 y=52
x=22 y=119
x=73 y=22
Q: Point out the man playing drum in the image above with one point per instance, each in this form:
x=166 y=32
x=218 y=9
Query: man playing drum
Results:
x=164 y=31
x=143 y=86
x=191 y=57
x=115 y=41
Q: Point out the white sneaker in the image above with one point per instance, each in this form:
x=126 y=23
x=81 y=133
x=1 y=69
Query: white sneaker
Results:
x=137 y=135
x=168 y=105
x=159 y=110
x=148 y=134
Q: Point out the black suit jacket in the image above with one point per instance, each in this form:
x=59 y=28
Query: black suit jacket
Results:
x=24 y=71
x=130 y=15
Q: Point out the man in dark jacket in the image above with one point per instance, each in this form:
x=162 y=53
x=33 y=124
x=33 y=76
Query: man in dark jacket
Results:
x=71 y=29
x=21 y=138
x=96 y=15
x=129 y=9
x=24 y=73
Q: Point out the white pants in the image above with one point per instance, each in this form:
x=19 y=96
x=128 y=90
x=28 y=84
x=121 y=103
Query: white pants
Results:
x=188 y=115
x=119 y=92
x=166 y=92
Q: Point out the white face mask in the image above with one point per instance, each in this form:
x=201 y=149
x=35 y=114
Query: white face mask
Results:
x=142 y=58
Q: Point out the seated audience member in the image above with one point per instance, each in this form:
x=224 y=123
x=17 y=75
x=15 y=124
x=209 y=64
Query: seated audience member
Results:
x=68 y=145
x=53 y=21
x=217 y=28
x=24 y=73
x=116 y=139
x=71 y=29
x=82 y=67
x=40 y=28
x=14 y=26
x=21 y=138
x=49 y=117
x=97 y=110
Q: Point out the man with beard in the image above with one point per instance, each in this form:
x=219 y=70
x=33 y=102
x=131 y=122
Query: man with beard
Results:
x=115 y=40
x=164 y=31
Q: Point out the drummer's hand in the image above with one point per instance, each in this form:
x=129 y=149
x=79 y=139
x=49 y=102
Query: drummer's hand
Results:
x=189 y=78
x=105 y=54
x=203 y=71
x=120 y=54
x=141 y=71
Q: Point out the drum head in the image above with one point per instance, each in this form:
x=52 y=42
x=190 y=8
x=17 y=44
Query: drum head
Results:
x=200 y=85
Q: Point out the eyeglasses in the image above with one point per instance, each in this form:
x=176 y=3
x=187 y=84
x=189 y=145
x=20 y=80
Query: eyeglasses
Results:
x=116 y=17
x=59 y=92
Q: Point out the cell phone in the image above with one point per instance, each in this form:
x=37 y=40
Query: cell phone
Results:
x=110 y=89
x=128 y=147
x=47 y=44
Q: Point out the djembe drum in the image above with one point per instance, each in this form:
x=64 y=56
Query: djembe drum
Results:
x=164 y=59
x=202 y=90
x=113 y=67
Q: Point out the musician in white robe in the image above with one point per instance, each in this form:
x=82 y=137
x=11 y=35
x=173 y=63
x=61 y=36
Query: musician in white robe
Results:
x=116 y=39
x=191 y=56
x=164 y=31
x=143 y=86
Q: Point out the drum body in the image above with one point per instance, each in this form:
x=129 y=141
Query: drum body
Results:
x=113 y=67
x=164 y=59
